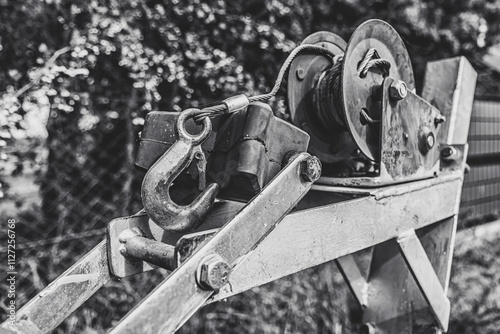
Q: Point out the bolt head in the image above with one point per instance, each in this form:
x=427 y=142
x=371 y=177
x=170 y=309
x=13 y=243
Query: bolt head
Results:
x=310 y=169
x=430 y=141
x=213 y=272
x=448 y=153
x=301 y=74
x=427 y=140
x=398 y=90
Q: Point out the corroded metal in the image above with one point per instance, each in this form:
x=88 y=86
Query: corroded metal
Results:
x=398 y=90
x=449 y=85
x=213 y=272
x=310 y=169
x=254 y=244
x=243 y=152
x=304 y=74
x=156 y=185
x=136 y=245
x=173 y=301
x=357 y=92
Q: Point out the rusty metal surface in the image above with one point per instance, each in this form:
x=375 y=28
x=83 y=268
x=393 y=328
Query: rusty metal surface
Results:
x=244 y=150
x=64 y=295
x=302 y=79
x=155 y=189
x=179 y=296
x=136 y=246
x=449 y=85
x=189 y=243
x=405 y=125
x=330 y=231
x=123 y=266
x=213 y=272
x=357 y=92
x=249 y=150
x=120 y=265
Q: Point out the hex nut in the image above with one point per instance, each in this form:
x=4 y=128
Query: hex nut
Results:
x=448 y=152
x=398 y=90
x=213 y=272
x=430 y=141
x=427 y=140
x=310 y=169
x=301 y=74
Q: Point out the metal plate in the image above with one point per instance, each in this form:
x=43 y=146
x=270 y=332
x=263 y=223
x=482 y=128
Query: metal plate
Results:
x=356 y=91
x=302 y=78
x=401 y=128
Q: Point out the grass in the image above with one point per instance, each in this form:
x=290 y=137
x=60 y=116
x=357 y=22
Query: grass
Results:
x=313 y=301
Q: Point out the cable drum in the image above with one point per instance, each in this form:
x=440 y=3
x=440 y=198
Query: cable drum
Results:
x=327 y=96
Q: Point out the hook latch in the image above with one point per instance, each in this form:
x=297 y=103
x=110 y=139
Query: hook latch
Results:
x=155 y=187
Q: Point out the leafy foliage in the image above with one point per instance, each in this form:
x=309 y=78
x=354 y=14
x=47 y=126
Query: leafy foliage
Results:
x=81 y=56
x=83 y=73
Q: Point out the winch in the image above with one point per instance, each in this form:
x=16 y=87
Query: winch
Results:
x=355 y=100
x=233 y=200
x=366 y=123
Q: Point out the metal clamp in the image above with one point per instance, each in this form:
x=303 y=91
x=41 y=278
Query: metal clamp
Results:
x=155 y=187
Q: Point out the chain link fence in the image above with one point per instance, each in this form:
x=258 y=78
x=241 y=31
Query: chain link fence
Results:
x=85 y=178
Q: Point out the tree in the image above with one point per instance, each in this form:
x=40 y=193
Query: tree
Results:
x=92 y=69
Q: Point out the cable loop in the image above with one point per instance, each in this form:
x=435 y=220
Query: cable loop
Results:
x=370 y=60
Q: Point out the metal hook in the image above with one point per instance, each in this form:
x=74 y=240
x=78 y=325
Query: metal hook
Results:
x=155 y=187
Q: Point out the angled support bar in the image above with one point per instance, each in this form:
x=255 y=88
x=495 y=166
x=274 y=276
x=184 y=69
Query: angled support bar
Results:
x=180 y=295
x=64 y=295
x=422 y=271
x=354 y=278
x=331 y=231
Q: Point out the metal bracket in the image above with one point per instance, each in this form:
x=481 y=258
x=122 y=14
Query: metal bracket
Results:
x=124 y=266
x=420 y=268
x=422 y=271
x=355 y=280
x=180 y=295
x=119 y=264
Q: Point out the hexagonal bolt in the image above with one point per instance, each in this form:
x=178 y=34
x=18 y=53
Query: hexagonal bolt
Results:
x=368 y=328
x=430 y=141
x=310 y=169
x=427 y=140
x=300 y=73
x=448 y=153
x=213 y=272
x=398 y=90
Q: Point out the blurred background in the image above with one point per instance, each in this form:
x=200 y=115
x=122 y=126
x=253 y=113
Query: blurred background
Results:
x=78 y=76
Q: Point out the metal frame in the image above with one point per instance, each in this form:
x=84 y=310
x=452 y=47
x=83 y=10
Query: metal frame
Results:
x=411 y=228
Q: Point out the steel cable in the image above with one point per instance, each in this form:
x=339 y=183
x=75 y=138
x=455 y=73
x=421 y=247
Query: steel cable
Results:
x=328 y=93
x=222 y=108
x=328 y=96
